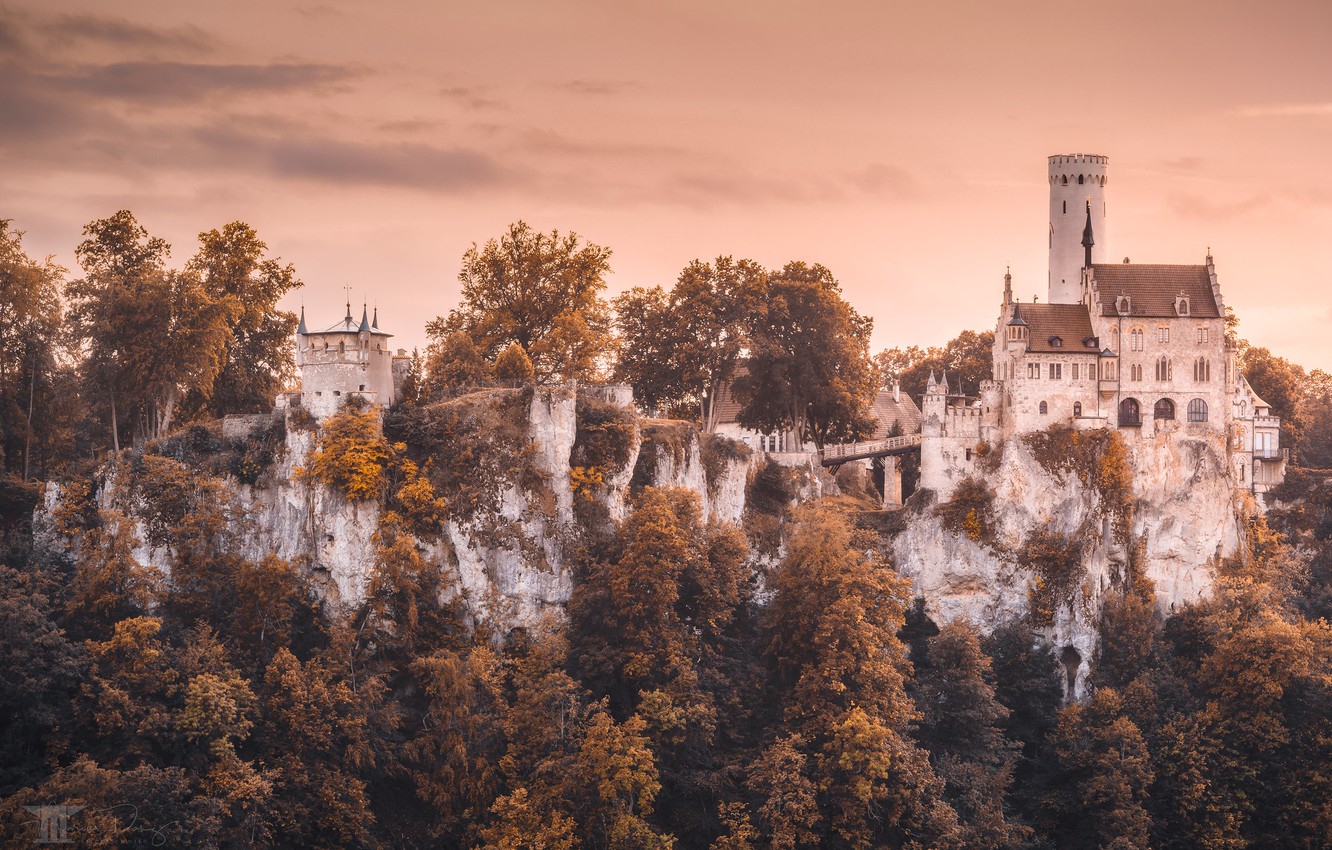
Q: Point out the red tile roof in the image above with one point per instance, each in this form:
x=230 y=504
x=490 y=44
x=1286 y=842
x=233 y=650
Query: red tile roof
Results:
x=1152 y=289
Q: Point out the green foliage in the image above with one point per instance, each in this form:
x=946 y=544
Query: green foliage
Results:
x=768 y=497
x=513 y=367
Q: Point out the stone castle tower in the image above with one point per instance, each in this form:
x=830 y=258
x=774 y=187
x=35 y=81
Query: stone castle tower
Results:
x=347 y=359
x=1077 y=188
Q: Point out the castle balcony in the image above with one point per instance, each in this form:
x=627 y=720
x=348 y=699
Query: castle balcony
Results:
x=1271 y=454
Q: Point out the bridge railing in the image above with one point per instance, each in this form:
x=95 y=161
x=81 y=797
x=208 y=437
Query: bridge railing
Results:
x=871 y=447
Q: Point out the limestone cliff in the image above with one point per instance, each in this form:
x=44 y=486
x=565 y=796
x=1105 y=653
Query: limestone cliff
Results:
x=1169 y=512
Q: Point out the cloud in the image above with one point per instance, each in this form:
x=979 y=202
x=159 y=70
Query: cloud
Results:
x=67 y=29
x=183 y=81
x=594 y=87
x=331 y=161
x=1202 y=209
x=885 y=181
x=471 y=98
x=1285 y=110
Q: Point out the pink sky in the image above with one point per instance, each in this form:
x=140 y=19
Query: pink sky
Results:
x=902 y=145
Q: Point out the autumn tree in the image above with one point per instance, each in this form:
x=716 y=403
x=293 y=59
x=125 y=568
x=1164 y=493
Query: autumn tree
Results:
x=257 y=359
x=809 y=368
x=966 y=360
x=652 y=624
x=686 y=346
x=454 y=362
x=540 y=290
x=30 y=328
x=1101 y=791
x=150 y=334
x=1280 y=383
x=513 y=367
x=961 y=727
x=843 y=672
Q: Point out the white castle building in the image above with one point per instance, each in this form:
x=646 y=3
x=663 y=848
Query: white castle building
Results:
x=1140 y=348
x=349 y=359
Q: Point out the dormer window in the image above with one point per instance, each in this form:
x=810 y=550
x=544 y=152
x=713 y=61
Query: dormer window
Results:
x=1091 y=342
x=1123 y=305
x=1056 y=342
x=1181 y=306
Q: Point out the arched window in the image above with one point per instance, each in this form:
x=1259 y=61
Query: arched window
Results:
x=1136 y=336
x=1065 y=207
x=1080 y=181
x=1114 y=339
x=1044 y=409
x=1129 y=413
x=1077 y=409
x=1202 y=370
x=1165 y=409
x=1065 y=179
x=1123 y=305
x=1164 y=371
x=1197 y=410
x=342 y=347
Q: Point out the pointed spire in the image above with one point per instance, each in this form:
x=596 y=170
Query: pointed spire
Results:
x=1087 y=240
x=374 y=323
x=1008 y=285
x=1017 y=316
x=300 y=329
x=347 y=289
x=365 y=321
x=931 y=383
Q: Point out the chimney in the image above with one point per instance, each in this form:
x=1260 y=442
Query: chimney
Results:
x=897 y=391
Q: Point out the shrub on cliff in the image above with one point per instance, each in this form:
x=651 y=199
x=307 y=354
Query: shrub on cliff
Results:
x=351 y=455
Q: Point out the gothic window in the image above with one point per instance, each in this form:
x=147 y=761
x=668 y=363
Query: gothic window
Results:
x=1164 y=409
x=1077 y=409
x=1129 y=413
x=1164 y=370
x=1044 y=408
x=1079 y=179
x=1114 y=339
x=1202 y=334
x=1182 y=306
x=1107 y=370
x=1065 y=179
x=1202 y=370
x=1123 y=305
x=1197 y=410
x=1136 y=339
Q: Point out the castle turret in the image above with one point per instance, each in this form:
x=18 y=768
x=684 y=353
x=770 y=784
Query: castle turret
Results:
x=345 y=360
x=1077 y=210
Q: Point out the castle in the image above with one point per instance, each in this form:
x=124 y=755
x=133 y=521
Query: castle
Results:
x=1140 y=348
x=349 y=359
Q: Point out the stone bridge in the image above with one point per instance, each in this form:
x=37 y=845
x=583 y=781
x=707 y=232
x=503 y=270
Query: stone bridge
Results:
x=887 y=451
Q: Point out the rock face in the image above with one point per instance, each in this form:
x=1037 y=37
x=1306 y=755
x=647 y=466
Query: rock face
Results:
x=506 y=559
x=1183 y=520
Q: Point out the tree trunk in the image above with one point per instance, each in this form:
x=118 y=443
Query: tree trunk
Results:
x=27 y=437
x=115 y=426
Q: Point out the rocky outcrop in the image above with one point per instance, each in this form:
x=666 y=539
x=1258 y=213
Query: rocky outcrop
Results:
x=1182 y=522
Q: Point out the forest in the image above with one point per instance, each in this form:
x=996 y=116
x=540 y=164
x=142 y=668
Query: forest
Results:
x=694 y=693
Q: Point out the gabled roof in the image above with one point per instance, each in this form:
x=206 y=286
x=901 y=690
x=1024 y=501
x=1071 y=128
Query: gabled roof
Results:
x=1152 y=289
x=886 y=411
x=1069 y=323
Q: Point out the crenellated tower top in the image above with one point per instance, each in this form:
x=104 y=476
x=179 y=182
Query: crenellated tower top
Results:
x=1077 y=187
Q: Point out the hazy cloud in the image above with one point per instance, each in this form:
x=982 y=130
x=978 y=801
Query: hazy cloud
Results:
x=338 y=162
x=471 y=98
x=67 y=29
x=885 y=180
x=179 y=81
x=1203 y=209
x=1285 y=110
x=594 y=87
